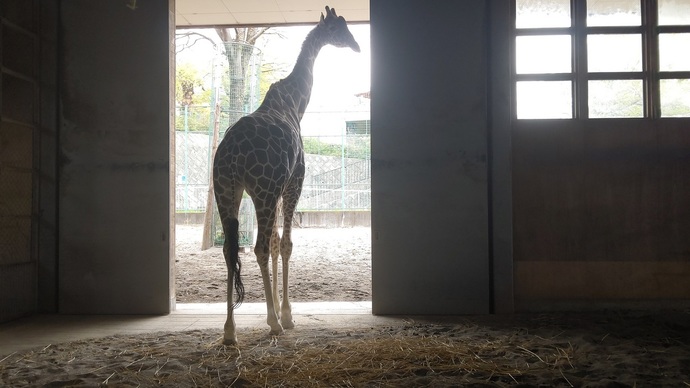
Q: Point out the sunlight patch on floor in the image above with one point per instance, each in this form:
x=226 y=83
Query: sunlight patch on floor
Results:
x=298 y=308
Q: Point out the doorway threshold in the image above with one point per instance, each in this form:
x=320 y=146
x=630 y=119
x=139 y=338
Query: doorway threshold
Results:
x=298 y=308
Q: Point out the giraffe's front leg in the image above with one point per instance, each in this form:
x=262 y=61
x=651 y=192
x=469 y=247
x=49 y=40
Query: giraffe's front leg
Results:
x=285 y=253
x=275 y=252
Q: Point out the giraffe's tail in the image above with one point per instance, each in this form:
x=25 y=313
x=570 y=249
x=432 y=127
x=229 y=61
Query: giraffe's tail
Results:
x=232 y=236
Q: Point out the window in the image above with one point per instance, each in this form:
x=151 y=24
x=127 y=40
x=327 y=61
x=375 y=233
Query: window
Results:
x=581 y=59
x=358 y=127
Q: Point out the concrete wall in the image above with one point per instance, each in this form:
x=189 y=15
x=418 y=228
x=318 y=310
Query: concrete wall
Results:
x=333 y=219
x=430 y=248
x=114 y=144
x=315 y=219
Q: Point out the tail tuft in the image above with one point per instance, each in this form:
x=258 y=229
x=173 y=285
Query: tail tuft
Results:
x=232 y=237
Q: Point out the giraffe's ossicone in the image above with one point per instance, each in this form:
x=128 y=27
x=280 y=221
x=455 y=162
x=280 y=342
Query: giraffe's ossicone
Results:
x=263 y=155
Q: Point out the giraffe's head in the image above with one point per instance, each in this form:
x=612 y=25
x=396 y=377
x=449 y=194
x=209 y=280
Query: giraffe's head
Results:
x=336 y=29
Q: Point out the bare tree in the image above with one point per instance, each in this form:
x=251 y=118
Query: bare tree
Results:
x=187 y=39
x=185 y=76
x=239 y=46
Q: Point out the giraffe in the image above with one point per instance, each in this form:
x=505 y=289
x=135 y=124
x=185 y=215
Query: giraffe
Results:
x=263 y=155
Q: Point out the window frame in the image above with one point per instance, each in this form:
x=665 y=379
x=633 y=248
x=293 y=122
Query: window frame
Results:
x=650 y=75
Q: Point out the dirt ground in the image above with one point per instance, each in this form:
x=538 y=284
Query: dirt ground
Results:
x=326 y=265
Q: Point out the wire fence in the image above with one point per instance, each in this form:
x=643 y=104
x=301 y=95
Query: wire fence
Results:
x=338 y=168
x=336 y=182
x=337 y=178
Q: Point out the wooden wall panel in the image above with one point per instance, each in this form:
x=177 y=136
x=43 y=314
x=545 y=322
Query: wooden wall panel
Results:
x=18 y=129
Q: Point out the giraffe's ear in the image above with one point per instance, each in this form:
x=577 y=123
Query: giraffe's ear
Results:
x=321 y=21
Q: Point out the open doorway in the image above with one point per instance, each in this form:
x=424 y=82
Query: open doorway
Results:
x=331 y=258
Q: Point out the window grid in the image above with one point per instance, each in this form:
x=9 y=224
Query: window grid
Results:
x=650 y=75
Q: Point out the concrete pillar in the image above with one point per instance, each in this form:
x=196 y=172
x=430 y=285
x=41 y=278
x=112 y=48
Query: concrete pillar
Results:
x=115 y=228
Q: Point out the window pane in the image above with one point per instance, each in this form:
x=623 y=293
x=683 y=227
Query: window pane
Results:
x=543 y=54
x=544 y=100
x=615 y=98
x=614 y=53
x=613 y=13
x=673 y=52
x=674 y=12
x=542 y=13
x=675 y=97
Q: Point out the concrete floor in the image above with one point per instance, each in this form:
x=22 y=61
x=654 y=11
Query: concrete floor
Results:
x=41 y=330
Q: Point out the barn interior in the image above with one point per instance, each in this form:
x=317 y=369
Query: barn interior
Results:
x=474 y=211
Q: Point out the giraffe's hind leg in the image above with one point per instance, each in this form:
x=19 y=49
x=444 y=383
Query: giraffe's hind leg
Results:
x=290 y=199
x=228 y=202
x=265 y=216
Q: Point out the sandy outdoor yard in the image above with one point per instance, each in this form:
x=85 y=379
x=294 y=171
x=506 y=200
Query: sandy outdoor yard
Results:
x=328 y=264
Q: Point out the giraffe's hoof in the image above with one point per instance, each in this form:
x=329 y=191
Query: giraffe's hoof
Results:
x=230 y=341
x=276 y=331
x=286 y=320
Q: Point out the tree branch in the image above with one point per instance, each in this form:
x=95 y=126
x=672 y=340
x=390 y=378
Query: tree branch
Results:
x=188 y=36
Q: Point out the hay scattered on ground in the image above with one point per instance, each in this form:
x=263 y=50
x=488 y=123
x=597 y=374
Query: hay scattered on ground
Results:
x=609 y=349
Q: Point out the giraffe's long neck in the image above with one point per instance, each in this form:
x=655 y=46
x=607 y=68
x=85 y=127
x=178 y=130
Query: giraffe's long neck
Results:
x=295 y=89
x=304 y=66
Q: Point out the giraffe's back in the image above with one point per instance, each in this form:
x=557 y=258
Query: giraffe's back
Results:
x=260 y=150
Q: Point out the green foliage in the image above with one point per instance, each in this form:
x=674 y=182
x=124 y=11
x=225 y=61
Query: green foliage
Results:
x=193 y=118
x=613 y=98
x=358 y=146
x=318 y=147
x=189 y=84
x=674 y=102
x=192 y=100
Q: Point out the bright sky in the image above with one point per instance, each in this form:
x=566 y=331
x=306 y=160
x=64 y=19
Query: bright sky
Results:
x=338 y=72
